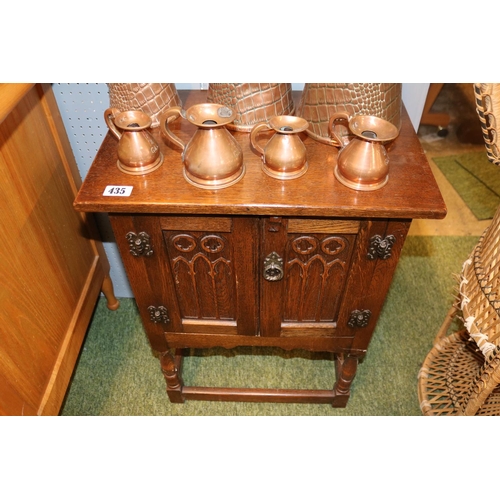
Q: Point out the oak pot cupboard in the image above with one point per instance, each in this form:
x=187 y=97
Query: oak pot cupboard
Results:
x=301 y=263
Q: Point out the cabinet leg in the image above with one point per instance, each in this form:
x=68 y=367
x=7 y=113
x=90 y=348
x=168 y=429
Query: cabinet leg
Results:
x=108 y=291
x=171 y=372
x=346 y=367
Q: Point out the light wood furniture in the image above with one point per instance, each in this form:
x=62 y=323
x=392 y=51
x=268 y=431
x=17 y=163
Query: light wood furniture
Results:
x=51 y=268
x=295 y=264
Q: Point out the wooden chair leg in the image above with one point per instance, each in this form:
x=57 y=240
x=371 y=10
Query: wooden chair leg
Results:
x=107 y=289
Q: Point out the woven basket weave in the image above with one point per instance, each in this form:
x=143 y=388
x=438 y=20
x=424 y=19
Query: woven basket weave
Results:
x=461 y=374
x=151 y=98
x=480 y=289
x=488 y=109
x=319 y=101
x=455 y=380
x=253 y=102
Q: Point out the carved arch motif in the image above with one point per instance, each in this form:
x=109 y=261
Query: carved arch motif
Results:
x=202 y=271
x=316 y=270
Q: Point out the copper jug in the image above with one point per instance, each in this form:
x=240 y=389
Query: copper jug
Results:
x=138 y=152
x=362 y=163
x=284 y=156
x=212 y=158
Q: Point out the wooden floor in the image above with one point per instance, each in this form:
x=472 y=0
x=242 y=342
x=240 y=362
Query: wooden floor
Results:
x=464 y=135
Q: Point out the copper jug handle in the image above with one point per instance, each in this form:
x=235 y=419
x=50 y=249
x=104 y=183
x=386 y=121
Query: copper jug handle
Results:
x=168 y=116
x=334 y=120
x=255 y=132
x=109 y=116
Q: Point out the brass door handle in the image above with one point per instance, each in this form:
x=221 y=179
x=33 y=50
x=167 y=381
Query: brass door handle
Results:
x=273 y=267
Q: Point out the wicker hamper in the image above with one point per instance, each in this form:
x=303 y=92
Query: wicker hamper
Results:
x=461 y=373
x=487 y=105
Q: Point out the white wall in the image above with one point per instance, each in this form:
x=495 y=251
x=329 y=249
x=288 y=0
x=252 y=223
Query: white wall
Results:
x=82 y=107
x=414 y=95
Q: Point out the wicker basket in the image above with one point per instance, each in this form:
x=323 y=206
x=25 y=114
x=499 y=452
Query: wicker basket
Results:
x=455 y=379
x=487 y=107
x=253 y=102
x=151 y=98
x=480 y=289
x=461 y=374
x=320 y=100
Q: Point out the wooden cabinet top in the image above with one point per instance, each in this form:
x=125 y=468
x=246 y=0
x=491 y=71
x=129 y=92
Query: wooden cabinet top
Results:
x=411 y=191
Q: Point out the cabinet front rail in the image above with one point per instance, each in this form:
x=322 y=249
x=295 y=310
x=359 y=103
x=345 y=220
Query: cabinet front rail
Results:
x=345 y=368
x=258 y=395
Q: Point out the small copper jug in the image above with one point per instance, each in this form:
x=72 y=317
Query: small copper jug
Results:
x=362 y=163
x=284 y=156
x=212 y=158
x=138 y=152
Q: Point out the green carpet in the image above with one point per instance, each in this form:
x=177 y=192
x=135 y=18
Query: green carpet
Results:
x=117 y=373
x=475 y=179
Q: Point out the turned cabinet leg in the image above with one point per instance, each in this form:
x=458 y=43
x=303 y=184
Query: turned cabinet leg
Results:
x=346 y=367
x=171 y=373
x=108 y=291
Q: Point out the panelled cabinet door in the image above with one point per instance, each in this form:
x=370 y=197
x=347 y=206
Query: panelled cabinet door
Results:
x=267 y=276
x=212 y=262
x=191 y=274
x=305 y=265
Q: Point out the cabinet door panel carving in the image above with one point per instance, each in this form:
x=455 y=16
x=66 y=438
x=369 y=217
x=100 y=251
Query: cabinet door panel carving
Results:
x=203 y=269
x=317 y=257
x=202 y=266
x=316 y=270
x=213 y=272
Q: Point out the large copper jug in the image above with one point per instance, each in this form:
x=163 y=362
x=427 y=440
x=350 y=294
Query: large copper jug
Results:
x=150 y=98
x=319 y=101
x=138 y=152
x=362 y=162
x=284 y=156
x=253 y=103
x=212 y=158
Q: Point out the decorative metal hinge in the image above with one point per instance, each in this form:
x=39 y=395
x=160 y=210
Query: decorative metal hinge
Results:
x=359 y=318
x=381 y=247
x=158 y=314
x=139 y=244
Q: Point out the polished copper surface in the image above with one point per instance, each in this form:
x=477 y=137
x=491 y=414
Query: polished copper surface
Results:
x=410 y=193
x=284 y=156
x=212 y=157
x=319 y=101
x=363 y=162
x=138 y=152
